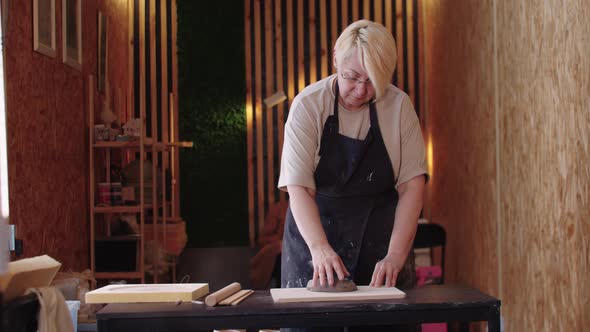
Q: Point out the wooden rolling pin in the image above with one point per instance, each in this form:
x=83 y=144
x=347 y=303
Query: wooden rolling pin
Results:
x=222 y=294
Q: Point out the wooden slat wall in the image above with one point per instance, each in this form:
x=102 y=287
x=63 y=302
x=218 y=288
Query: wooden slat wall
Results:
x=153 y=91
x=153 y=82
x=289 y=45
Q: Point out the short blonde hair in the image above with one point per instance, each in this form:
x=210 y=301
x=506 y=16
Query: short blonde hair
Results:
x=375 y=46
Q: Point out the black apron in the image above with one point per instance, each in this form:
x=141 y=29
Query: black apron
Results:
x=357 y=199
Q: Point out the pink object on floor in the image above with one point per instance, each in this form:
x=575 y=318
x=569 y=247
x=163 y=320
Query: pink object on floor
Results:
x=434 y=327
x=429 y=275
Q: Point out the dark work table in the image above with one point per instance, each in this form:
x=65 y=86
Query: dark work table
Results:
x=426 y=304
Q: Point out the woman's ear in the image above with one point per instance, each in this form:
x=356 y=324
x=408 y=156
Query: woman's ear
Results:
x=334 y=60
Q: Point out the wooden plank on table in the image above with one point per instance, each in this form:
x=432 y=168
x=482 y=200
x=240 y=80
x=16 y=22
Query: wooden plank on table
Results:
x=364 y=293
x=249 y=122
x=144 y=293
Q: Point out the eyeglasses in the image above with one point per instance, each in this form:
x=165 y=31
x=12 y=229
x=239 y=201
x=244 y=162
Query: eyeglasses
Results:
x=355 y=79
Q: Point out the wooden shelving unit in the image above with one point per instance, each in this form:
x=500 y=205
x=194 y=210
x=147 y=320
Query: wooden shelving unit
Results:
x=149 y=94
x=163 y=213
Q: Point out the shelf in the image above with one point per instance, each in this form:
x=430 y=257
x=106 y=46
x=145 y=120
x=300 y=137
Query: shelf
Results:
x=126 y=144
x=119 y=209
x=118 y=275
x=117 y=238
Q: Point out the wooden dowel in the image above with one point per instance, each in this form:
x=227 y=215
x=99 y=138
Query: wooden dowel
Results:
x=234 y=297
x=222 y=294
x=238 y=301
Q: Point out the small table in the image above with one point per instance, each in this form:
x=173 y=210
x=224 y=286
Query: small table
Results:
x=426 y=304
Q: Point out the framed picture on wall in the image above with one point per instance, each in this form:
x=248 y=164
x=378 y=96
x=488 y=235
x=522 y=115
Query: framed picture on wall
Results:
x=72 y=32
x=102 y=51
x=44 y=27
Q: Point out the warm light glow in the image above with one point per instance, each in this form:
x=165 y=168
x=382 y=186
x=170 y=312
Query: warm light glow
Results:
x=429 y=156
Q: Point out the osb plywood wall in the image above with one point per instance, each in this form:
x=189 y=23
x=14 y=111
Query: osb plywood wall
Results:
x=543 y=105
x=47 y=135
x=508 y=87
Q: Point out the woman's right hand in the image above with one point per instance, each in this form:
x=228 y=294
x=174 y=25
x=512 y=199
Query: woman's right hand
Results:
x=326 y=264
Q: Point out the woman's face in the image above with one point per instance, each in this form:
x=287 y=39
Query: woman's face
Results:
x=353 y=82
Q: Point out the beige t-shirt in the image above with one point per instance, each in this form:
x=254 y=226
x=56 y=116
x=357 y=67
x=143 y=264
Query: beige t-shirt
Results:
x=311 y=107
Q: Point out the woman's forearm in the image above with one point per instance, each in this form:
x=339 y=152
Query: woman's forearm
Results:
x=406 y=216
x=307 y=216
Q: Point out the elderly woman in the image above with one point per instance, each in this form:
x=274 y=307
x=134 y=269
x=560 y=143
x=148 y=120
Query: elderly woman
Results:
x=354 y=165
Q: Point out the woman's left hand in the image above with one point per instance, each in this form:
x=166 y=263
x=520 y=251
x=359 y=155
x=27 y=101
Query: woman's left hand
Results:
x=386 y=270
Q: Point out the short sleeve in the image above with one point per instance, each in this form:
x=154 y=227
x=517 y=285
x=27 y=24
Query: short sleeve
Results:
x=413 y=153
x=299 y=147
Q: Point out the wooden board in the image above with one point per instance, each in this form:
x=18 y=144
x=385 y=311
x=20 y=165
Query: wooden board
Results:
x=27 y=273
x=284 y=295
x=147 y=293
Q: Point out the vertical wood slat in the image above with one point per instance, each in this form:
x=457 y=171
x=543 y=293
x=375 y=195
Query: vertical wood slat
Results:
x=290 y=58
x=379 y=12
x=333 y=31
x=269 y=90
x=344 y=9
x=298 y=52
x=175 y=213
x=300 y=48
x=311 y=26
x=257 y=113
x=355 y=11
x=366 y=10
x=421 y=99
x=399 y=40
x=151 y=43
x=323 y=39
x=142 y=110
x=165 y=112
x=91 y=172
x=130 y=86
x=164 y=79
x=278 y=40
x=410 y=50
x=290 y=49
x=249 y=122
x=389 y=18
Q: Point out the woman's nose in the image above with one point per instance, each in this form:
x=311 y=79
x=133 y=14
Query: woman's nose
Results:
x=361 y=88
